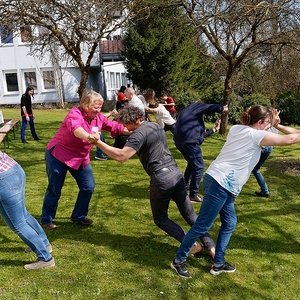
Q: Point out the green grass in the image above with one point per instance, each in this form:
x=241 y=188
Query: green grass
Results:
x=123 y=255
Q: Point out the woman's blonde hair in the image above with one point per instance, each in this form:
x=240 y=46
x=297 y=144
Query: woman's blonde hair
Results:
x=88 y=98
x=150 y=96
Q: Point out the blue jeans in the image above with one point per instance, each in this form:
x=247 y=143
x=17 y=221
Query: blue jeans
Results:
x=99 y=152
x=15 y=215
x=265 y=153
x=195 y=166
x=163 y=187
x=57 y=171
x=216 y=201
x=32 y=129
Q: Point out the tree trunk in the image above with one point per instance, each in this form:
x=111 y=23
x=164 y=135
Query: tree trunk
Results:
x=226 y=101
x=83 y=81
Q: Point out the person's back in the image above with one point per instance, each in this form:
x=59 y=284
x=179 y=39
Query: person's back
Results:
x=190 y=124
x=154 y=153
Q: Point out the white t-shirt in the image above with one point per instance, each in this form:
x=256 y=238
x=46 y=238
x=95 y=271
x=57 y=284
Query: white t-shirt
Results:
x=163 y=116
x=137 y=102
x=239 y=155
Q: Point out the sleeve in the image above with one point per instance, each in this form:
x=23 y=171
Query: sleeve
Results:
x=113 y=127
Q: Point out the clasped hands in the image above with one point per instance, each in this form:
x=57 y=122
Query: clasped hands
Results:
x=93 y=138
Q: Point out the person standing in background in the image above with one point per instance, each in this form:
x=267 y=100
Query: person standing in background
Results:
x=135 y=101
x=161 y=114
x=169 y=104
x=27 y=114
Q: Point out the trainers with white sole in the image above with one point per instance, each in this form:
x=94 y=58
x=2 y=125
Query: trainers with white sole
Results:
x=49 y=248
x=39 y=264
x=225 y=268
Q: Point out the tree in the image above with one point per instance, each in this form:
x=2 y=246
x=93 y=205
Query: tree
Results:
x=69 y=29
x=161 y=51
x=242 y=29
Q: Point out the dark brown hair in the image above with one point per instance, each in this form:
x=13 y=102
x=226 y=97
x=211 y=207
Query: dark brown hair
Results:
x=255 y=113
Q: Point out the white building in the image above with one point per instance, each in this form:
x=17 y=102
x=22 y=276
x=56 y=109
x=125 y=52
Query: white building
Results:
x=56 y=83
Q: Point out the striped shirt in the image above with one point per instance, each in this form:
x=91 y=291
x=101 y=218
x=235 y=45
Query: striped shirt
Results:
x=6 y=162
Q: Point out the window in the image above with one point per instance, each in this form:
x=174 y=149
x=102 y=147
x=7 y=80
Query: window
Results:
x=6 y=36
x=118 y=78
x=124 y=79
x=48 y=79
x=26 y=34
x=30 y=79
x=112 y=80
x=11 y=82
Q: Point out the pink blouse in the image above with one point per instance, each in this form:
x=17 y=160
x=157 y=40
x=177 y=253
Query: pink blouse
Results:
x=73 y=151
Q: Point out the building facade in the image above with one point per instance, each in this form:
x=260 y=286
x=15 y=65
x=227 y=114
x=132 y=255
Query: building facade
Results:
x=56 y=82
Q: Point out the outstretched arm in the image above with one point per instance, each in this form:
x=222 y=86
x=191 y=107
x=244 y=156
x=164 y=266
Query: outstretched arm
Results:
x=273 y=139
x=120 y=155
x=286 y=129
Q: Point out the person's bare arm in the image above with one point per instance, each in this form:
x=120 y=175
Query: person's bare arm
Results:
x=150 y=110
x=82 y=134
x=286 y=129
x=273 y=139
x=120 y=155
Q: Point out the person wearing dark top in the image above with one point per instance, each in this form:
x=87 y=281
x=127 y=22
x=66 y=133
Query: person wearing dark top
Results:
x=27 y=114
x=148 y=141
x=189 y=134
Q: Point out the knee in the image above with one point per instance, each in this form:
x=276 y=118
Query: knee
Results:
x=160 y=222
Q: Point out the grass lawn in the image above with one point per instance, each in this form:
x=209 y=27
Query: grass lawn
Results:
x=123 y=255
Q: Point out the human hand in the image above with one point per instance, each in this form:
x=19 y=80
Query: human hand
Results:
x=225 y=108
x=275 y=117
x=93 y=138
x=114 y=113
x=218 y=124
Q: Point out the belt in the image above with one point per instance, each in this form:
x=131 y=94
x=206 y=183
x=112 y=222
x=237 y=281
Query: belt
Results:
x=162 y=170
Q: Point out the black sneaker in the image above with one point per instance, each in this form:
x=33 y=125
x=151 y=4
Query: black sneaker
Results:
x=226 y=267
x=180 y=268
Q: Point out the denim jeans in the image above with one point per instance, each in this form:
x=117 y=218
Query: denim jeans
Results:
x=15 y=215
x=195 y=166
x=56 y=171
x=216 y=201
x=99 y=152
x=163 y=187
x=265 y=153
x=32 y=129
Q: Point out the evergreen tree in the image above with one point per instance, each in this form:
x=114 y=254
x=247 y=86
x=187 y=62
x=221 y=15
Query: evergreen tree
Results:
x=162 y=52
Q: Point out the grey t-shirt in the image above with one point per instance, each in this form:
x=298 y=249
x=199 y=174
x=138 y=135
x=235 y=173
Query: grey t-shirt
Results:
x=149 y=140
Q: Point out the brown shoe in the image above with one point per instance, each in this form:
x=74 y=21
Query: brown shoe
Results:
x=197 y=198
x=85 y=221
x=49 y=226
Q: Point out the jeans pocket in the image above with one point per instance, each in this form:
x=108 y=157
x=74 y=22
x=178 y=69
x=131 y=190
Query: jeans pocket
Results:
x=11 y=180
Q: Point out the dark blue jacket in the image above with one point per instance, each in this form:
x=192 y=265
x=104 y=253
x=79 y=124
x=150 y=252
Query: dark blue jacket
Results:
x=190 y=126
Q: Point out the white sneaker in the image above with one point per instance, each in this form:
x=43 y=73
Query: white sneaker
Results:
x=49 y=248
x=39 y=264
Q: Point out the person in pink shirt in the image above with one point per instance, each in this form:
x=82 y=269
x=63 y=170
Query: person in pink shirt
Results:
x=69 y=150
